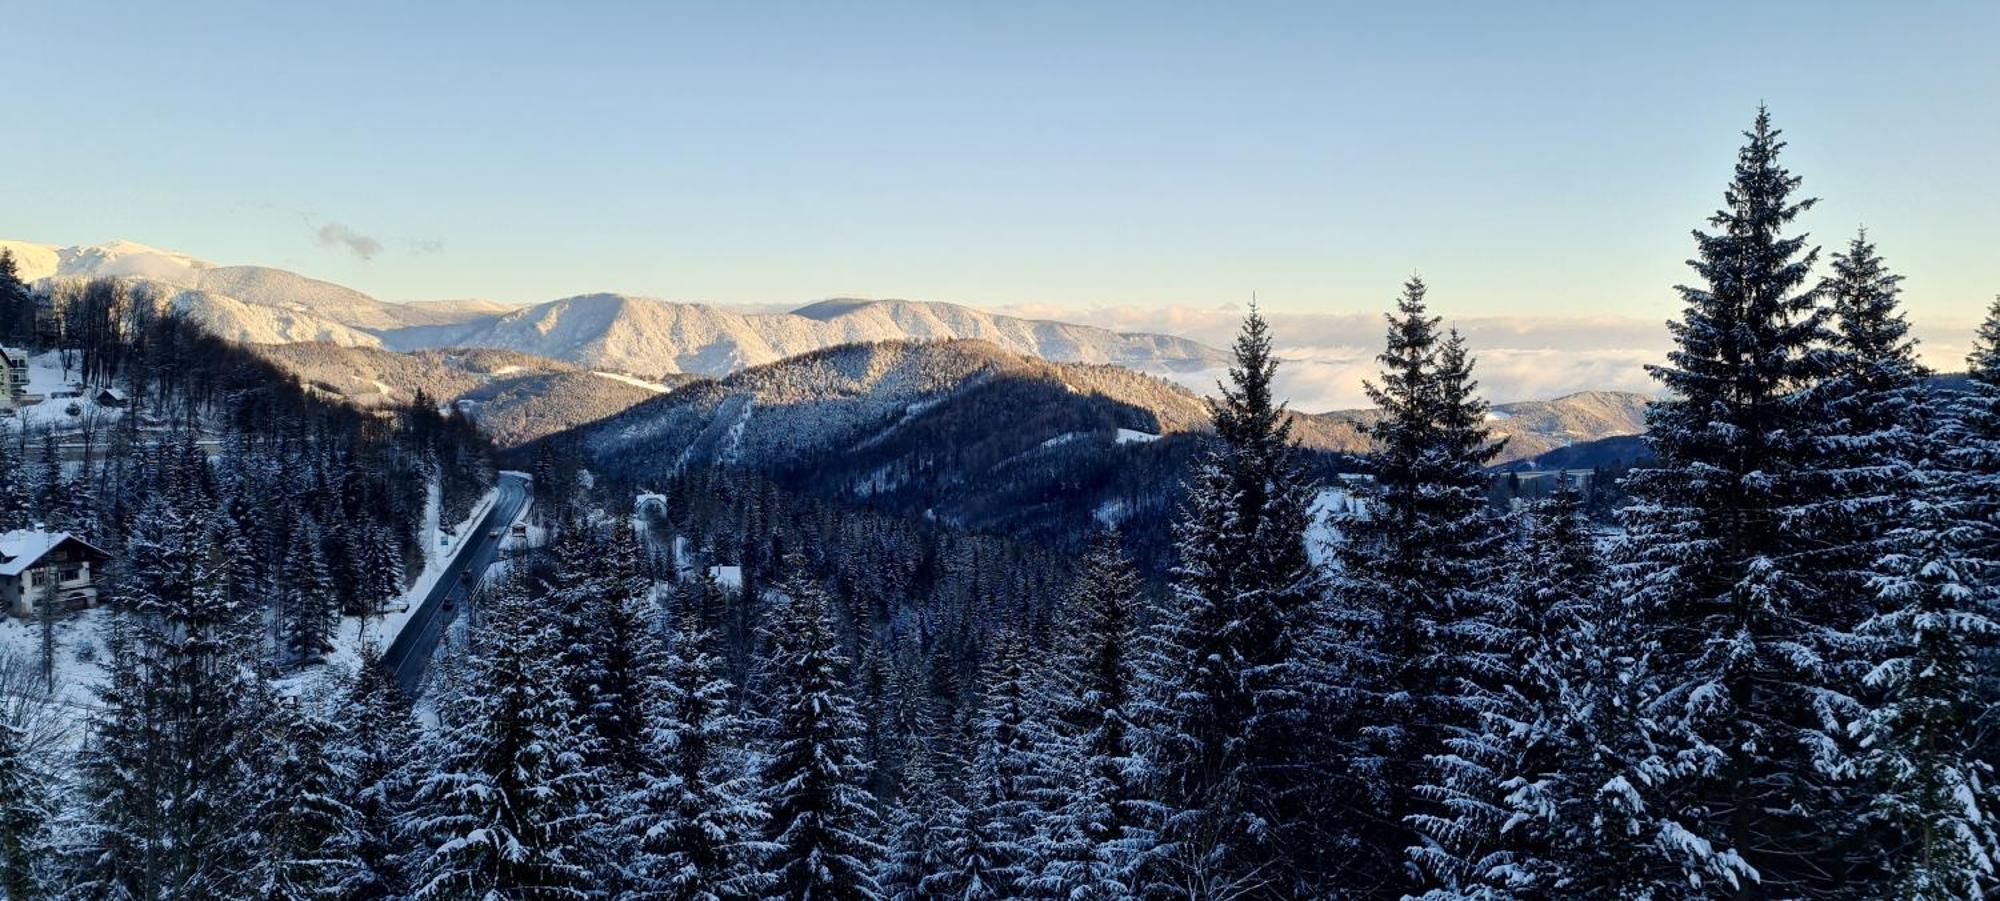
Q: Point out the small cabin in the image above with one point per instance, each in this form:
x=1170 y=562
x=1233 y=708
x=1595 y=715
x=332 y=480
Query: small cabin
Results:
x=110 y=397
x=39 y=568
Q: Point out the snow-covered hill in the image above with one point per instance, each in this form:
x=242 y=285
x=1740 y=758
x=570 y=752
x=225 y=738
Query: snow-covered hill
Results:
x=515 y=397
x=1535 y=427
x=288 y=293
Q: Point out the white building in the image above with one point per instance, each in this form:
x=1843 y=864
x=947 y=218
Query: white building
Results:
x=37 y=567
x=14 y=379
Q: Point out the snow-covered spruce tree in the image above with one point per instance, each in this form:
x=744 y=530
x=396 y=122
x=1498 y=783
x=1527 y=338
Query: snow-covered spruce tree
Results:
x=308 y=610
x=1865 y=443
x=1412 y=623
x=918 y=865
x=627 y=655
x=820 y=839
x=1931 y=790
x=1097 y=813
x=1974 y=453
x=991 y=855
x=304 y=830
x=24 y=819
x=1231 y=730
x=510 y=809
x=168 y=782
x=373 y=746
x=17 y=303
x=13 y=499
x=1977 y=412
x=1746 y=687
x=701 y=598
x=693 y=815
x=979 y=858
x=382 y=569
x=1526 y=791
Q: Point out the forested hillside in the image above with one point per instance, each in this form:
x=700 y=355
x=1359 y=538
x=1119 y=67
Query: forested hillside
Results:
x=514 y=397
x=830 y=628
x=1769 y=680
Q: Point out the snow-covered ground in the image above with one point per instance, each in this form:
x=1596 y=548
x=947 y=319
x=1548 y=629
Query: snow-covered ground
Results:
x=80 y=652
x=46 y=378
x=1134 y=436
x=1337 y=502
x=654 y=387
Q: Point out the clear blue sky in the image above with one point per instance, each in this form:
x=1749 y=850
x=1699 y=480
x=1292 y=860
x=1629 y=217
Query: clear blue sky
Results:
x=1535 y=158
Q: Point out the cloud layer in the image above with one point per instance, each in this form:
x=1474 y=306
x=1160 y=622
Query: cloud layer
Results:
x=1327 y=356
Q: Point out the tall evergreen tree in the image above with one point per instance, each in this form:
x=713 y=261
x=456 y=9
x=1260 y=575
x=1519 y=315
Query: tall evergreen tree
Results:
x=308 y=611
x=168 y=784
x=24 y=819
x=1865 y=444
x=375 y=747
x=627 y=655
x=507 y=811
x=1747 y=693
x=304 y=830
x=991 y=855
x=919 y=864
x=1977 y=411
x=821 y=833
x=1937 y=636
x=17 y=303
x=693 y=813
x=13 y=496
x=1231 y=730
x=1096 y=822
x=1414 y=613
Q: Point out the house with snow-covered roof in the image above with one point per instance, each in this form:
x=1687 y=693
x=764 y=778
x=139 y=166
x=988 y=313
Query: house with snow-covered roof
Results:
x=39 y=568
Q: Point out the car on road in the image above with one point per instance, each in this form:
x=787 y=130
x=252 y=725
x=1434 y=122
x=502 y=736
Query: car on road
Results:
x=493 y=533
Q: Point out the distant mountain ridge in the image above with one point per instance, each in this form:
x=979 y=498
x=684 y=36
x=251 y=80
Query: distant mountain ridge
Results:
x=984 y=436
x=262 y=286
x=1535 y=427
x=515 y=397
x=648 y=335
x=658 y=339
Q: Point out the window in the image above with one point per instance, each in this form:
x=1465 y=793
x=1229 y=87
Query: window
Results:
x=72 y=573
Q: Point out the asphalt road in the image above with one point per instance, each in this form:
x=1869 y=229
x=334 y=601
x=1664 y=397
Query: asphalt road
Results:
x=407 y=656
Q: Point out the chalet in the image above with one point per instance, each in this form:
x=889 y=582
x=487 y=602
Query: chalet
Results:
x=14 y=378
x=110 y=397
x=39 y=568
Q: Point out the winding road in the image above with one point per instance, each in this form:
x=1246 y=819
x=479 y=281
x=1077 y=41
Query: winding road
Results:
x=410 y=653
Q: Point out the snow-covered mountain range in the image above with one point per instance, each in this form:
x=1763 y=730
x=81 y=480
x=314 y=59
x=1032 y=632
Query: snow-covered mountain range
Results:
x=659 y=340
x=646 y=336
x=658 y=337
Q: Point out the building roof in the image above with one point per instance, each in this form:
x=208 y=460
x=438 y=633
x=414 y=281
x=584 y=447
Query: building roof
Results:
x=22 y=548
x=12 y=353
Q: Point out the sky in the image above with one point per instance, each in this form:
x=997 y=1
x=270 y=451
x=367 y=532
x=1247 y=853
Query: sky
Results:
x=1536 y=159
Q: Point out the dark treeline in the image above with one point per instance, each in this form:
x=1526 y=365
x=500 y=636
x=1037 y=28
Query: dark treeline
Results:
x=1772 y=677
